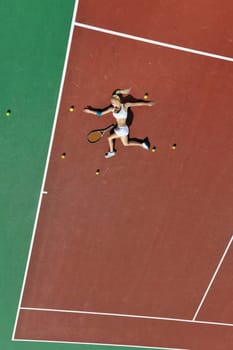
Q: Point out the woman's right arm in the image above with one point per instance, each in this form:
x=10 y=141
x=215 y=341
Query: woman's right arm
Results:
x=98 y=112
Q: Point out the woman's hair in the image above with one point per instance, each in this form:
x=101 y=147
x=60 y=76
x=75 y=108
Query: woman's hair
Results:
x=117 y=94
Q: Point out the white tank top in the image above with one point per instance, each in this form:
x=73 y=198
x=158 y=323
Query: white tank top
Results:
x=122 y=114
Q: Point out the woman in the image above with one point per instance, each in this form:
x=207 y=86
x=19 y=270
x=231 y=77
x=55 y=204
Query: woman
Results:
x=119 y=110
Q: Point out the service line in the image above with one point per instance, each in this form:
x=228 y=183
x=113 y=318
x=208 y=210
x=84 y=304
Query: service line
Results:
x=110 y=314
x=153 y=42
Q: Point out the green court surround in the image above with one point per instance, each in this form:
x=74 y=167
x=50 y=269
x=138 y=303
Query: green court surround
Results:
x=34 y=36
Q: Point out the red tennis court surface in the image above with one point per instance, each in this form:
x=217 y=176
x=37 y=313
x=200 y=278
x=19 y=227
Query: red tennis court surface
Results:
x=142 y=254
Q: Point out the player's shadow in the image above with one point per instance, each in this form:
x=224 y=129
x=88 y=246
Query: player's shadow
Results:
x=130 y=117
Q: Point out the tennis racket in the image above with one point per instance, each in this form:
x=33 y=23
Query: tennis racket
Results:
x=95 y=135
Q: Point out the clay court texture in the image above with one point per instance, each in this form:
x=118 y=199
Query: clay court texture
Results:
x=140 y=254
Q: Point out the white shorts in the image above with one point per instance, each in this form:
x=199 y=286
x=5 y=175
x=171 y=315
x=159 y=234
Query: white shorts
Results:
x=121 y=131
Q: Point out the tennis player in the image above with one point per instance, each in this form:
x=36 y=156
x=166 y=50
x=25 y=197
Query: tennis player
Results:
x=119 y=109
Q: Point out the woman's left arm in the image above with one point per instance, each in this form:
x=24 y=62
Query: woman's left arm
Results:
x=138 y=104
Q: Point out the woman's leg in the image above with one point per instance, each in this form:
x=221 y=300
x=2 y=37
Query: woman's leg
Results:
x=126 y=142
x=110 y=141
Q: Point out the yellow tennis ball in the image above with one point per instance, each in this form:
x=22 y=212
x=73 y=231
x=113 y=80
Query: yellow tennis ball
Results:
x=97 y=171
x=153 y=149
x=63 y=155
x=146 y=96
x=174 y=146
x=8 y=113
x=71 y=109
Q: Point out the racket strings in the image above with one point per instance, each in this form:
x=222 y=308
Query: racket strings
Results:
x=94 y=136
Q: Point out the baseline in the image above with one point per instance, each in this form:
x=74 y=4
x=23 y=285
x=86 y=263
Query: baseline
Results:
x=100 y=344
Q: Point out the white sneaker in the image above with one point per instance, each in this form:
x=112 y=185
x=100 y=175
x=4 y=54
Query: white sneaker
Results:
x=145 y=145
x=109 y=154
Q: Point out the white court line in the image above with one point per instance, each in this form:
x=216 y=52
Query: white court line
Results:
x=149 y=41
x=212 y=279
x=47 y=161
x=100 y=344
x=126 y=316
x=153 y=42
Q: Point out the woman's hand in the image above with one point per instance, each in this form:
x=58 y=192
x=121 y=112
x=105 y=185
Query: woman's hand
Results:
x=87 y=110
x=151 y=103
